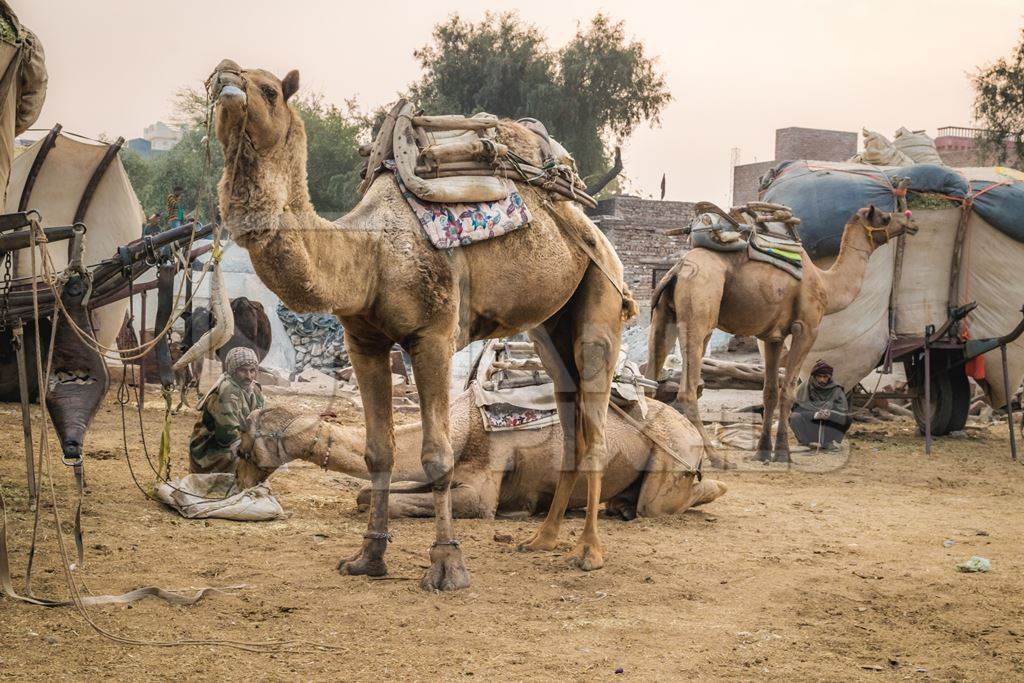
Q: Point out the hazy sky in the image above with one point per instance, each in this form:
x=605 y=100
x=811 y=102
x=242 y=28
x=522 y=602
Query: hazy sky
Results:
x=737 y=70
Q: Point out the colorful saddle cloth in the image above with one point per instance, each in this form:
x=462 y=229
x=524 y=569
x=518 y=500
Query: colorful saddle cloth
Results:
x=457 y=225
x=782 y=253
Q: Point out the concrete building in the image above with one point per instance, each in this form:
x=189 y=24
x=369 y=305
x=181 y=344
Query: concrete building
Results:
x=959 y=147
x=161 y=136
x=793 y=143
x=140 y=146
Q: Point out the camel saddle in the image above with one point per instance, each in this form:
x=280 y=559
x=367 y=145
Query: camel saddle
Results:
x=717 y=230
x=457 y=159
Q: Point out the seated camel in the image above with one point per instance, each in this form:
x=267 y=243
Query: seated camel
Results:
x=495 y=472
x=730 y=291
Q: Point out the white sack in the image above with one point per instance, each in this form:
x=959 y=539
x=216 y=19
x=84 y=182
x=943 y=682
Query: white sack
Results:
x=918 y=146
x=214 y=496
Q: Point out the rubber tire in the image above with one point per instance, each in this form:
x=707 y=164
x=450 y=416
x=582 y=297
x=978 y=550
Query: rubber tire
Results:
x=961 y=398
x=951 y=396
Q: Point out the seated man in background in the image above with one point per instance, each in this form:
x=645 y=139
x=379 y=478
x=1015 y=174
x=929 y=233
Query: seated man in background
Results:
x=820 y=414
x=229 y=402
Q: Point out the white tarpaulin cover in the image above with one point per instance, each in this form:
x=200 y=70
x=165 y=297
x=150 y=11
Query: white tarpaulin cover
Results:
x=114 y=216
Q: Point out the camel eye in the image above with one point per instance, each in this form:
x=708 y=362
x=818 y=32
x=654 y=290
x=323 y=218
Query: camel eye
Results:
x=269 y=92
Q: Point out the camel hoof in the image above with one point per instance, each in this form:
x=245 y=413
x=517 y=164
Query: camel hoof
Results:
x=763 y=455
x=783 y=457
x=447 y=571
x=586 y=557
x=362 y=564
x=537 y=543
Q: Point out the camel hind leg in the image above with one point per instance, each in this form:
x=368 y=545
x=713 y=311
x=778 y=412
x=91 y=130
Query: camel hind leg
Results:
x=698 y=301
x=554 y=344
x=661 y=337
x=594 y=324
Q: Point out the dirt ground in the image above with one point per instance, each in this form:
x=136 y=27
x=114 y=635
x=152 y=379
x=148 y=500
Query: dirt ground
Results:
x=844 y=575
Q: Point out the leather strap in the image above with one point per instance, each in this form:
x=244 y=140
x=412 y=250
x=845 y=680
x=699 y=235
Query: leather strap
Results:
x=639 y=426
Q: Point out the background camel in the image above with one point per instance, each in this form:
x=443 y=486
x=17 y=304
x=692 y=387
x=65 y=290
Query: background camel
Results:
x=377 y=273
x=503 y=471
x=727 y=290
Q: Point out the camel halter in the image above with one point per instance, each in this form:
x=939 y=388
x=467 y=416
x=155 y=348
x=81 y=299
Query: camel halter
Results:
x=872 y=231
x=278 y=437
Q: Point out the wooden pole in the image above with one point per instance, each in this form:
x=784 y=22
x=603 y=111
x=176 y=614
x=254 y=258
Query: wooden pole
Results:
x=1009 y=403
x=928 y=391
x=142 y=361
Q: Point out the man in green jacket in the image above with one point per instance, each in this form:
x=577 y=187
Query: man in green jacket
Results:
x=821 y=414
x=229 y=402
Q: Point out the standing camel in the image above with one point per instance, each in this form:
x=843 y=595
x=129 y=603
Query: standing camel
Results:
x=727 y=290
x=375 y=270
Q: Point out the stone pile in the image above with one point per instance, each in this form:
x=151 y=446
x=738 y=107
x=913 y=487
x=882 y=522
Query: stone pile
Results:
x=318 y=340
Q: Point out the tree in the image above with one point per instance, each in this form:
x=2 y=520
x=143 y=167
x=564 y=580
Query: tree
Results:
x=333 y=138
x=999 y=106
x=333 y=162
x=594 y=91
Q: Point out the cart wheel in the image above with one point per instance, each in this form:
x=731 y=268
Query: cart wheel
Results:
x=951 y=401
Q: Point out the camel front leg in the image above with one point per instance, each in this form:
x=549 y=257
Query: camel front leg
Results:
x=431 y=364
x=770 y=398
x=802 y=341
x=372 y=365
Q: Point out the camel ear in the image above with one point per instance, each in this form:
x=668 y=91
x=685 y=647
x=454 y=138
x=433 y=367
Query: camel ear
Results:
x=871 y=214
x=290 y=84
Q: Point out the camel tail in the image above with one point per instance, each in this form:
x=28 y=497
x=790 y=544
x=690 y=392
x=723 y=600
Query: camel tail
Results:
x=630 y=308
x=661 y=336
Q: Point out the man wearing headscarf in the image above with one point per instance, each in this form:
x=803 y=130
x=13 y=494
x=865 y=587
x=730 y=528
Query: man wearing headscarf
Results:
x=22 y=86
x=222 y=411
x=821 y=414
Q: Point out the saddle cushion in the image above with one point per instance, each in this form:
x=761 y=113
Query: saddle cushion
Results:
x=780 y=252
x=449 y=225
x=717 y=241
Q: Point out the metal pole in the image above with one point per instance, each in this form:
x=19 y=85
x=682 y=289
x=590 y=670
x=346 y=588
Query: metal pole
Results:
x=18 y=340
x=142 y=361
x=1009 y=403
x=927 y=392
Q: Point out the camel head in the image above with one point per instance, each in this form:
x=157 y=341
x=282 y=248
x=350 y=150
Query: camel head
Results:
x=261 y=447
x=882 y=226
x=252 y=103
x=264 y=144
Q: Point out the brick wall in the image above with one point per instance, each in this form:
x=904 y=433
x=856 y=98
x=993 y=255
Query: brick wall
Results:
x=814 y=143
x=746 y=178
x=635 y=226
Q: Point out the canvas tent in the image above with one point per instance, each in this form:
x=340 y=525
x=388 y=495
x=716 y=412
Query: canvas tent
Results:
x=825 y=195
x=114 y=216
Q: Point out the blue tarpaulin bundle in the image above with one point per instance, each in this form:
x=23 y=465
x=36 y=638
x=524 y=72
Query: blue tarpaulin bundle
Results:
x=824 y=196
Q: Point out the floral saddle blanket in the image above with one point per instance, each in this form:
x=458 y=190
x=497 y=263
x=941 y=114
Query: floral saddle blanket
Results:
x=457 y=225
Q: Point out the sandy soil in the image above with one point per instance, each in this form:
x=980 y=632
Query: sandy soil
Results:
x=798 y=575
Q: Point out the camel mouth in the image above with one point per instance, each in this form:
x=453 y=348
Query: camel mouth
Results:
x=231 y=94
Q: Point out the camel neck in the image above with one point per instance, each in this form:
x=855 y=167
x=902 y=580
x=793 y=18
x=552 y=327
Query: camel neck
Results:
x=844 y=279
x=312 y=264
x=344 y=447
